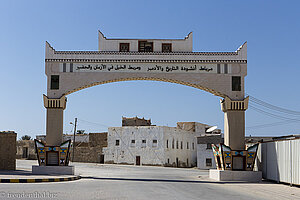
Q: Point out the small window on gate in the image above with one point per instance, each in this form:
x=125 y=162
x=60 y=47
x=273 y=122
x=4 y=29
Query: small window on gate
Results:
x=236 y=83
x=124 y=47
x=145 y=46
x=166 y=47
x=54 y=85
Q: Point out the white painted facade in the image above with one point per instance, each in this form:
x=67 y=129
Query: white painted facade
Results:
x=204 y=153
x=174 y=146
x=168 y=150
x=205 y=156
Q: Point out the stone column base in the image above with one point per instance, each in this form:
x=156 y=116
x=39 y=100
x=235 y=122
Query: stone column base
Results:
x=228 y=175
x=53 y=170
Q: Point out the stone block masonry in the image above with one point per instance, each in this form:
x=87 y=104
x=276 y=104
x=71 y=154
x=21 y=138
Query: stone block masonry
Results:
x=8 y=150
x=91 y=151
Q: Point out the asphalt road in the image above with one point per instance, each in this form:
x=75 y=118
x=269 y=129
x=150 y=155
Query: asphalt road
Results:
x=125 y=182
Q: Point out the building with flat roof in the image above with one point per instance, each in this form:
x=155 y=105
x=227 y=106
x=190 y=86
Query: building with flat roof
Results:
x=155 y=145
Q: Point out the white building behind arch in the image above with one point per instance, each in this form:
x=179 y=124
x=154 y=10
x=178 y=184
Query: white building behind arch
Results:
x=155 y=145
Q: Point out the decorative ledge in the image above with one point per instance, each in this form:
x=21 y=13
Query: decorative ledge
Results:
x=228 y=104
x=55 y=103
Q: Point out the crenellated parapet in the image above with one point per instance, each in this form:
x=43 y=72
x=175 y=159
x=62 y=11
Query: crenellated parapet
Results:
x=237 y=105
x=55 y=103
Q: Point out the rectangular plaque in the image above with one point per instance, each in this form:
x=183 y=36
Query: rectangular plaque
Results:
x=143 y=67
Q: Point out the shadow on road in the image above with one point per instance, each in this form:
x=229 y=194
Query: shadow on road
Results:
x=162 y=180
x=16 y=172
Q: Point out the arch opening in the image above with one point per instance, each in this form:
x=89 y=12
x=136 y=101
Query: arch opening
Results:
x=214 y=92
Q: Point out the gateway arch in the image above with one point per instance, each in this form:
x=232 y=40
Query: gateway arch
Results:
x=169 y=60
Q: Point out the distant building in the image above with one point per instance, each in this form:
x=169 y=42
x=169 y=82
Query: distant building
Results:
x=154 y=145
x=205 y=157
x=135 y=121
x=90 y=151
x=250 y=140
x=26 y=150
x=88 y=147
x=78 y=137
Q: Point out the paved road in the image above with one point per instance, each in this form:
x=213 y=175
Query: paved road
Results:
x=132 y=182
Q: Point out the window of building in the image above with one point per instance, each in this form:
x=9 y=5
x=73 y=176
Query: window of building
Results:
x=218 y=68
x=145 y=46
x=193 y=145
x=71 y=67
x=187 y=145
x=132 y=141
x=208 y=146
x=154 y=143
x=236 y=83
x=177 y=145
x=64 y=67
x=54 y=85
x=143 y=143
x=167 y=144
x=117 y=142
x=166 y=47
x=181 y=145
x=173 y=144
x=225 y=68
x=124 y=47
x=168 y=161
x=208 y=162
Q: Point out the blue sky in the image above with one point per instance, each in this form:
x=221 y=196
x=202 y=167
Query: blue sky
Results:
x=271 y=28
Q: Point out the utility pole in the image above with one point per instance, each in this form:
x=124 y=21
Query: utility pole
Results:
x=75 y=126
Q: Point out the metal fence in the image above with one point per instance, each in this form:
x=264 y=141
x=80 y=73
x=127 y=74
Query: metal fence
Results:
x=280 y=161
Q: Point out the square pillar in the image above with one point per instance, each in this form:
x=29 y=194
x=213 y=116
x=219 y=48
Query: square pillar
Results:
x=54 y=126
x=54 y=122
x=234 y=122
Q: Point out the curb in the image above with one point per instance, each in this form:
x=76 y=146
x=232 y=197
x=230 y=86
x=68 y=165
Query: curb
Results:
x=39 y=180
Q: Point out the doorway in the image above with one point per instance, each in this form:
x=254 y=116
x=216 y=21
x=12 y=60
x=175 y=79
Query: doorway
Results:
x=25 y=152
x=177 y=162
x=138 y=160
x=101 y=159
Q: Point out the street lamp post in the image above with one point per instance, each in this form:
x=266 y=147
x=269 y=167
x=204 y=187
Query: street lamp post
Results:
x=75 y=125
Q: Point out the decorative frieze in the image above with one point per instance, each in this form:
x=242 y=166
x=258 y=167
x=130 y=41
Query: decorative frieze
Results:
x=236 y=105
x=142 y=61
x=55 y=103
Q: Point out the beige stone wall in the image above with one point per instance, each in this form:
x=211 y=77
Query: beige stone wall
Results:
x=91 y=151
x=8 y=150
x=135 y=121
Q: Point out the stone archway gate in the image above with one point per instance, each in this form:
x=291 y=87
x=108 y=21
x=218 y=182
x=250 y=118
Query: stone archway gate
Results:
x=219 y=73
